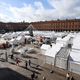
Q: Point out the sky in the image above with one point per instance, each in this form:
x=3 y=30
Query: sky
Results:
x=38 y=10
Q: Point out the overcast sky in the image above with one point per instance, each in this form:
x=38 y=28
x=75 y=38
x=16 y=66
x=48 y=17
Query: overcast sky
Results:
x=38 y=10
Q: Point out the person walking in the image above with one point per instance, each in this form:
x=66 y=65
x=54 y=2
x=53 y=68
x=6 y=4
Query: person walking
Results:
x=44 y=78
x=26 y=64
x=12 y=57
x=33 y=76
x=6 y=56
x=29 y=62
x=71 y=78
x=67 y=76
x=17 y=61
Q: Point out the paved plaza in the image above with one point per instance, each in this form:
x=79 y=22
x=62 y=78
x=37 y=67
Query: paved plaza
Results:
x=10 y=71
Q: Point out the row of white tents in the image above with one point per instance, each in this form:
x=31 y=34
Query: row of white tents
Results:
x=75 y=55
x=56 y=53
x=63 y=57
x=18 y=37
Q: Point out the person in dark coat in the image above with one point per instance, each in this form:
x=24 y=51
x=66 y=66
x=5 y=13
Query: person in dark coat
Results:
x=6 y=56
x=72 y=78
x=26 y=64
x=33 y=76
x=17 y=61
x=29 y=62
x=50 y=45
x=12 y=57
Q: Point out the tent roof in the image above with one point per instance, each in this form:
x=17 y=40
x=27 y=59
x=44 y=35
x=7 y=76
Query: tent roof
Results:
x=2 y=41
x=75 y=55
x=53 y=51
x=45 y=46
x=76 y=41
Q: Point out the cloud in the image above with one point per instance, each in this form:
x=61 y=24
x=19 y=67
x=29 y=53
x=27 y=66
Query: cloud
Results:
x=65 y=8
x=30 y=13
x=5 y=15
x=61 y=9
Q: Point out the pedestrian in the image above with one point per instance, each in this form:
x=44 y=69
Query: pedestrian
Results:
x=72 y=78
x=67 y=76
x=29 y=62
x=6 y=56
x=50 y=45
x=44 y=78
x=33 y=75
x=12 y=56
x=17 y=61
x=26 y=64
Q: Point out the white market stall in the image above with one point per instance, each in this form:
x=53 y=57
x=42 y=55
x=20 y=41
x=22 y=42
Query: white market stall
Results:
x=2 y=40
x=62 y=58
x=20 y=39
x=13 y=41
x=64 y=40
x=74 y=61
x=50 y=52
x=45 y=47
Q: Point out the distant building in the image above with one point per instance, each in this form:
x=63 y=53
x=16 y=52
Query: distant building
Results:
x=56 y=25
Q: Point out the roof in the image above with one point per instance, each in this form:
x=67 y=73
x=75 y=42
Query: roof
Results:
x=2 y=41
x=76 y=41
x=75 y=55
x=53 y=50
x=63 y=53
x=45 y=47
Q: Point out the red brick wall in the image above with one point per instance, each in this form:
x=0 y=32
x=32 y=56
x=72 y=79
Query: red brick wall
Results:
x=57 y=25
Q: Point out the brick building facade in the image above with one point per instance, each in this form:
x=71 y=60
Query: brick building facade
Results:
x=57 y=25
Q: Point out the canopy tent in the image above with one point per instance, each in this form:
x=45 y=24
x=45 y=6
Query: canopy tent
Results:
x=50 y=52
x=62 y=58
x=64 y=40
x=53 y=50
x=2 y=41
x=76 y=41
x=45 y=47
x=14 y=42
x=74 y=61
x=20 y=39
x=10 y=35
x=44 y=33
x=27 y=36
x=75 y=55
x=61 y=34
